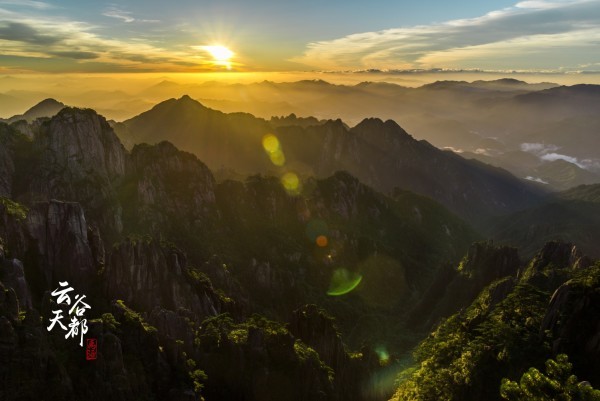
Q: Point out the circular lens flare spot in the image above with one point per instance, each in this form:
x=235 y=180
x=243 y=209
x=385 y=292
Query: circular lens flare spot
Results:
x=271 y=143
x=384 y=356
x=343 y=282
x=277 y=158
x=291 y=183
x=322 y=241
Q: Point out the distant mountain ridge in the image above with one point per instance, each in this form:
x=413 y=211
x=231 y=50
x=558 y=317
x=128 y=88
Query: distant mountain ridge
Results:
x=45 y=108
x=379 y=153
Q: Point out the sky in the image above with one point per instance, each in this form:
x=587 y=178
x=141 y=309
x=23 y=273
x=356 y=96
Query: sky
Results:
x=74 y=36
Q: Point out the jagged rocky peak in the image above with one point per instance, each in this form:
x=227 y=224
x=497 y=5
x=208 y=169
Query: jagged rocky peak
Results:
x=185 y=102
x=573 y=319
x=81 y=139
x=382 y=134
x=171 y=179
x=485 y=259
x=559 y=254
x=342 y=192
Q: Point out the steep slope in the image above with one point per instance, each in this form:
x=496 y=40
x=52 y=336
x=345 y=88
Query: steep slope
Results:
x=385 y=157
x=517 y=322
x=187 y=277
x=572 y=216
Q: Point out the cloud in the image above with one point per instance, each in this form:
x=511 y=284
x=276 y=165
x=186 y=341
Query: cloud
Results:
x=538 y=148
x=547 y=152
x=557 y=156
x=27 y=3
x=125 y=16
x=119 y=14
x=76 y=55
x=55 y=44
x=19 y=32
x=536 y=179
x=549 y=29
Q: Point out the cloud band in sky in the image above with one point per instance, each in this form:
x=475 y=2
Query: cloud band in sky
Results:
x=536 y=35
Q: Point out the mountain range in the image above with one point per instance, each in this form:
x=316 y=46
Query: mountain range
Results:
x=512 y=124
x=227 y=256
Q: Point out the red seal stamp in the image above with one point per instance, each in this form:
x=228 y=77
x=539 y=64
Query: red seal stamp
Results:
x=91 y=349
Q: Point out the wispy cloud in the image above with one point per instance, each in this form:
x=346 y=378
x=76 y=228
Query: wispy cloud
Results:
x=19 y=32
x=81 y=48
x=126 y=16
x=40 y=5
x=558 y=33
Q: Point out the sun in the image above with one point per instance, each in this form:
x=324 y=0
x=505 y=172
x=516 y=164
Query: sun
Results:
x=219 y=53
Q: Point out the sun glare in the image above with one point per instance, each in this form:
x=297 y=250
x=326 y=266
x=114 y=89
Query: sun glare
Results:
x=219 y=53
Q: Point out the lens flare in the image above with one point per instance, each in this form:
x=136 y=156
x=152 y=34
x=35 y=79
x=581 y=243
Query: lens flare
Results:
x=277 y=158
x=321 y=241
x=271 y=143
x=291 y=183
x=272 y=146
x=384 y=356
x=343 y=282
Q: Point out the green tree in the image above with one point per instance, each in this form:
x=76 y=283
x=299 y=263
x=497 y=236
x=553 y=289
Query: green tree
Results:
x=558 y=384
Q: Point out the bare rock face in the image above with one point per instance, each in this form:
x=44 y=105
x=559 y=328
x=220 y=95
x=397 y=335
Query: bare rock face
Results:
x=573 y=319
x=559 y=254
x=166 y=183
x=457 y=288
x=58 y=231
x=146 y=275
x=7 y=170
x=12 y=274
x=318 y=330
x=83 y=142
x=80 y=157
x=354 y=377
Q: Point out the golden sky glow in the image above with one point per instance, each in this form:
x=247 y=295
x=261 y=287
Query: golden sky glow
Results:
x=69 y=36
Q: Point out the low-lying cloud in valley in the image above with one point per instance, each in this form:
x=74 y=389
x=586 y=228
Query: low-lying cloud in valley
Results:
x=548 y=153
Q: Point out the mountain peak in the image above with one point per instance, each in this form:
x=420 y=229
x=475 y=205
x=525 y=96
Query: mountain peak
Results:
x=48 y=103
x=46 y=108
x=374 y=123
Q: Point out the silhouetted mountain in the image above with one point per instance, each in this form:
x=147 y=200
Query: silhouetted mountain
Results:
x=380 y=154
x=220 y=140
x=45 y=108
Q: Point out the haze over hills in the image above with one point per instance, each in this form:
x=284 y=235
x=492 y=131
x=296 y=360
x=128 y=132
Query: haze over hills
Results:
x=493 y=121
x=321 y=278
x=381 y=154
x=573 y=215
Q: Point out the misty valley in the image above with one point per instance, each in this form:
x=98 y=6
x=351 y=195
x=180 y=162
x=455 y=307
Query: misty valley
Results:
x=302 y=241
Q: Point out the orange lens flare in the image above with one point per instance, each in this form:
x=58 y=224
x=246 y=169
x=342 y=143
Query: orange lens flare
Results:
x=322 y=241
